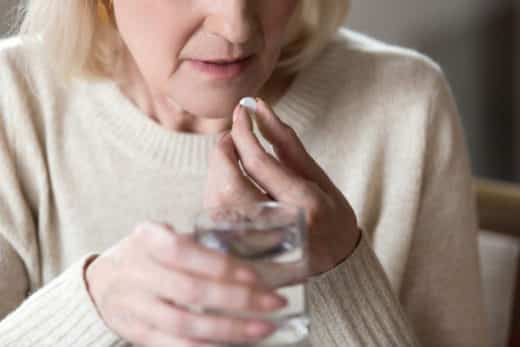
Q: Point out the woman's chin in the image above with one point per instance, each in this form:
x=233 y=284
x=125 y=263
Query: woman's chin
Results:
x=216 y=106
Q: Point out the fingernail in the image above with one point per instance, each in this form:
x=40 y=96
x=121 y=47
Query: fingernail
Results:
x=259 y=329
x=270 y=301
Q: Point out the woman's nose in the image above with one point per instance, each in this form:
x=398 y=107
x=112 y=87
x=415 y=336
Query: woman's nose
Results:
x=233 y=20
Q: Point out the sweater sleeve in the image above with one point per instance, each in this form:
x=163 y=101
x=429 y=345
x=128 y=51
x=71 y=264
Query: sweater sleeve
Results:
x=59 y=313
x=440 y=303
x=357 y=306
x=441 y=290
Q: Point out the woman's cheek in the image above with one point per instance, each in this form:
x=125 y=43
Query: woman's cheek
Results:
x=277 y=16
x=161 y=61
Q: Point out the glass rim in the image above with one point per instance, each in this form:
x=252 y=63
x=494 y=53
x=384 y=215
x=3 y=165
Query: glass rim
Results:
x=204 y=215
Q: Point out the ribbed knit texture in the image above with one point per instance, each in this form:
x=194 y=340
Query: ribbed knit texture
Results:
x=371 y=313
x=60 y=313
x=81 y=166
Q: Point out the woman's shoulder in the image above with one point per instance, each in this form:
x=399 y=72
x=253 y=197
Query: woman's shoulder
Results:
x=14 y=74
x=23 y=63
x=364 y=83
x=10 y=45
x=10 y=55
x=377 y=79
x=17 y=53
x=369 y=53
x=26 y=86
x=357 y=57
x=25 y=74
x=21 y=67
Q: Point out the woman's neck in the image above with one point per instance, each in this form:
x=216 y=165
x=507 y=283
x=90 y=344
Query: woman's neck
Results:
x=276 y=87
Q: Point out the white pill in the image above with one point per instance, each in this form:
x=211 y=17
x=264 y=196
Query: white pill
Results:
x=249 y=104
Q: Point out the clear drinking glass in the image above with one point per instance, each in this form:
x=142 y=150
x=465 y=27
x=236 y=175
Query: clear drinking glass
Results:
x=271 y=237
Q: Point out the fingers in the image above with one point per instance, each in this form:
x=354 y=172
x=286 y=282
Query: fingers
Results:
x=276 y=179
x=182 y=253
x=143 y=334
x=134 y=320
x=172 y=320
x=156 y=301
x=201 y=277
x=226 y=158
x=288 y=147
x=194 y=291
x=226 y=183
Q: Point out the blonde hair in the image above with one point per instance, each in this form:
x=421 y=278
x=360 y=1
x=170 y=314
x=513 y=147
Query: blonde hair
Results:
x=82 y=40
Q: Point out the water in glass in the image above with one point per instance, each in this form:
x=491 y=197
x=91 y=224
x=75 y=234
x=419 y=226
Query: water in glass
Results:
x=270 y=237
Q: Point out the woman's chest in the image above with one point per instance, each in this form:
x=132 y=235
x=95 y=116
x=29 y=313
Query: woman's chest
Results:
x=92 y=209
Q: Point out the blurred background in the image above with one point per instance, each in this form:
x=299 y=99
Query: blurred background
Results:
x=477 y=43
x=5 y=13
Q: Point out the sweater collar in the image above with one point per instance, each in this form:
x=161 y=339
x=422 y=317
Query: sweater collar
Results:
x=306 y=99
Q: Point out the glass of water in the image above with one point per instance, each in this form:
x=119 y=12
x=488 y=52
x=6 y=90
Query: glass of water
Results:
x=271 y=237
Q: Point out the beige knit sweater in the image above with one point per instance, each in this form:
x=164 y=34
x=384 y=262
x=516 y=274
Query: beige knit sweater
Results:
x=80 y=165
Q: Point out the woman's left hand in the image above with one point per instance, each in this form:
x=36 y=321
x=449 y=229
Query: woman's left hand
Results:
x=293 y=178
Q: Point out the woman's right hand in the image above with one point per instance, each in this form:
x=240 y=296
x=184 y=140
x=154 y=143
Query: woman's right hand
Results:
x=142 y=286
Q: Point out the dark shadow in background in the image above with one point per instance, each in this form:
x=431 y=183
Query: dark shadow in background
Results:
x=8 y=16
x=479 y=64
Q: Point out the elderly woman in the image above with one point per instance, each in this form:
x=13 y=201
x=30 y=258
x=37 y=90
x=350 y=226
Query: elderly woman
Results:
x=115 y=114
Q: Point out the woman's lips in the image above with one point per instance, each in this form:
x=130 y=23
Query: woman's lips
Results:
x=221 y=70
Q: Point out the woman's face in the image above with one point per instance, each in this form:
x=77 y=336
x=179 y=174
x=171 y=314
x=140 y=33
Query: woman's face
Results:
x=204 y=55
